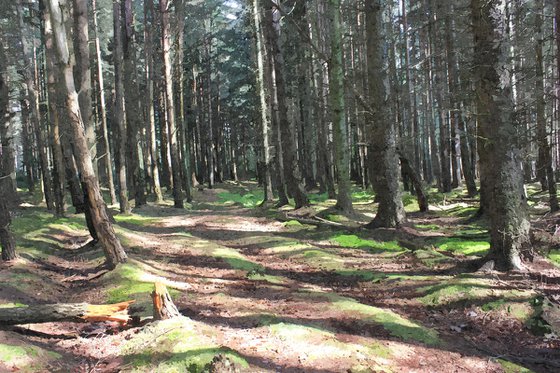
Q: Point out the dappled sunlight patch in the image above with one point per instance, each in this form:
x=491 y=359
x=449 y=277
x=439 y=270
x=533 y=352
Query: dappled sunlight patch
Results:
x=314 y=344
x=131 y=281
x=521 y=309
x=395 y=324
x=510 y=367
x=249 y=200
x=236 y=260
x=278 y=280
x=431 y=258
x=467 y=290
x=135 y=219
x=175 y=345
x=26 y=358
x=352 y=241
x=463 y=246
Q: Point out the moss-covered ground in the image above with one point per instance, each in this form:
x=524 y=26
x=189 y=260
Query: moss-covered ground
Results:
x=273 y=292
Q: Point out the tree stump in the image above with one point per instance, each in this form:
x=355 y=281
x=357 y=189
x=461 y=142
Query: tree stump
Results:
x=164 y=308
x=76 y=312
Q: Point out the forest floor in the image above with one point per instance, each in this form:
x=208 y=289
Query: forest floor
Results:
x=285 y=291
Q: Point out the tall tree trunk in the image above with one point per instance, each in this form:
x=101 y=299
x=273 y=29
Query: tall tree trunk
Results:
x=289 y=154
x=119 y=109
x=114 y=252
x=54 y=114
x=185 y=154
x=170 y=105
x=107 y=157
x=382 y=155
x=264 y=98
x=33 y=102
x=499 y=154
x=132 y=105
x=83 y=74
x=544 y=164
x=338 y=107
x=149 y=19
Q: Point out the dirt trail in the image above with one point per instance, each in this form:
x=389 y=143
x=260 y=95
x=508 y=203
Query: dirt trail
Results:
x=274 y=296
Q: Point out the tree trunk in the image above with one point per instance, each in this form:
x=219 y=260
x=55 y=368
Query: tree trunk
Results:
x=132 y=105
x=149 y=18
x=107 y=157
x=170 y=105
x=338 y=107
x=119 y=109
x=289 y=153
x=114 y=252
x=7 y=241
x=544 y=165
x=83 y=74
x=74 y=312
x=59 y=179
x=33 y=102
x=264 y=101
x=499 y=154
x=382 y=154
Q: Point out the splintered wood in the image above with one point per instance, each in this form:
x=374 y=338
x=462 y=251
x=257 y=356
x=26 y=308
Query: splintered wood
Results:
x=164 y=308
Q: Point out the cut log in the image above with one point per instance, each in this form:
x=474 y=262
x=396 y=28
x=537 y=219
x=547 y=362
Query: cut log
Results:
x=164 y=308
x=75 y=312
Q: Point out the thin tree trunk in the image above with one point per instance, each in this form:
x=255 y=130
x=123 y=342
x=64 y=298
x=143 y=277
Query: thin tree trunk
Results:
x=132 y=105
x=107 y=157
x=170 y=105
x=338 y=107
x=149 y=19
x=33 y=102
x=263 y=101
x=120 y=110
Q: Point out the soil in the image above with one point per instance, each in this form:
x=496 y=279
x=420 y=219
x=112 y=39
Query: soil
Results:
x=285 y=296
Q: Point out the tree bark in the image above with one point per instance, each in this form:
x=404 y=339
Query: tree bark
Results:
x=382 y=154
x=107 y=157
x=114 y=252
x=132 y=105
x=170 y=105
x=264 y=101
x=119 y=114
x=149 y=19
x=33 y=102
x=164 y=308
x=83 y=74
x=74 y=312
x=291 y=168
x=501 y=174
x=338 y=107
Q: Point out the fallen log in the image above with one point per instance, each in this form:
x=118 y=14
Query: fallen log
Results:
x=74 y=312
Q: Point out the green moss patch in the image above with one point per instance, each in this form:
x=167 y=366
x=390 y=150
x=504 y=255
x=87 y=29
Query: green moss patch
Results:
x=131 y=282
x=510 y=367
x=353 y=241
x=315 y=343
x=431 y=258
x=554 y=256
x=277 y=280
x=26 y=358
x=362 y=196
x=176 y=345
x=394 y=323
x=463 y=246
x=135 y=219
x=467 y=290
x=521 y=310
x=249 y=200
x=237 y=260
